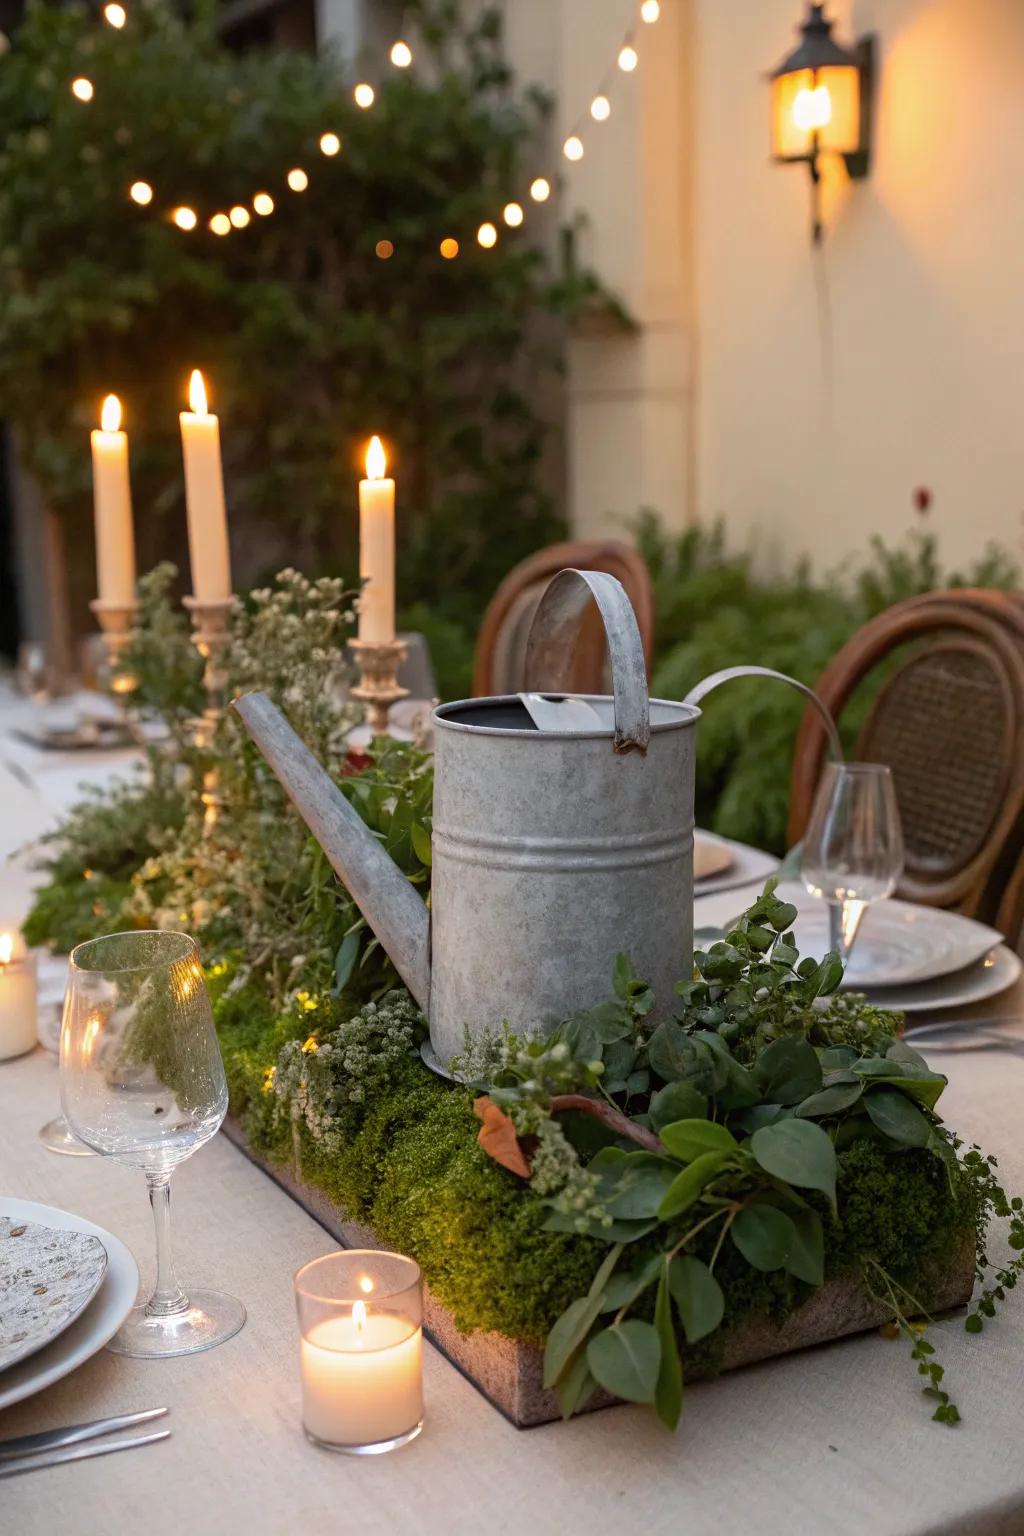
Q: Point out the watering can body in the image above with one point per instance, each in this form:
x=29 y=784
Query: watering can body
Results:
x=552 y=849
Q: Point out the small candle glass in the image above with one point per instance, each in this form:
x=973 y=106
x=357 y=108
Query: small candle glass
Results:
x=361 y=1325
x=18 y=998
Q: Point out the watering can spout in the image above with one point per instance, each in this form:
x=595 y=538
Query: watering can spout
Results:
x=394 y=911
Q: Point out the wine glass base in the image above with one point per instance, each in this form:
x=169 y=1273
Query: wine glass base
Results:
x=57 y=1136
x=210 y=1319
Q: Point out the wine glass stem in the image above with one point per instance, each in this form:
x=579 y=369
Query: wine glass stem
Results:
x=843 y=922
x=168 y=1298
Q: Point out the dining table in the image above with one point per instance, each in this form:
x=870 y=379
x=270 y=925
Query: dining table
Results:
x=835 y=1439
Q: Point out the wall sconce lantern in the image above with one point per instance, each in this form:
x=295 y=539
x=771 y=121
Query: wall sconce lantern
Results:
x=821 y=102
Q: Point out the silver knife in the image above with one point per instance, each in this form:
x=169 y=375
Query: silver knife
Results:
x=52 y=1439
x=35 y=1463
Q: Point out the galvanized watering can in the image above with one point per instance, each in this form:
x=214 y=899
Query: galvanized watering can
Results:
x=555 y=844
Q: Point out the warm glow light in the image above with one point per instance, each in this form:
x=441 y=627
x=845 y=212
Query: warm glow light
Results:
x=487 y=235
x=263 y=204
x=449 y=249
x=628 y=59
x=298 y=180
x=376 y=460
x=384 y=249
x=812 y=109
x=6 y=948
x=115 y=14
x=364 y=94
x=650 y=10
x=220 y=224
x=330 y=144
x=513 y=215
x=239 y=216
x=185 y=218
x=540 y=189
x=600 y=109
x=401 y=55
x=366 y=1285
x=572 y=149
x=359 y=1316
x=110 y=414
x=82 y=88
x=197 y=394
x=141 y=192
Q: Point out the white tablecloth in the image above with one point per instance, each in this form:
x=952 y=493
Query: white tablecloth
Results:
x=835 y=1440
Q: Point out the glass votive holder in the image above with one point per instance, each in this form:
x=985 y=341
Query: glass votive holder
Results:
x=361 y=1326
x=18 y=997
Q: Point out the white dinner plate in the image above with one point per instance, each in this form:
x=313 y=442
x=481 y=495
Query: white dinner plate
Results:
x=986 y=978
x=899 y=943
x=92 y=1329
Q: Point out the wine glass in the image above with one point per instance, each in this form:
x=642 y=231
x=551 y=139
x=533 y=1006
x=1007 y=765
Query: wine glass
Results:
x=142 y=1081
x=57 y=1136
x=853 y=849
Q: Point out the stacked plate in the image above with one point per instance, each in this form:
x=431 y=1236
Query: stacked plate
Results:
x=66 y=1286
x=910 y=958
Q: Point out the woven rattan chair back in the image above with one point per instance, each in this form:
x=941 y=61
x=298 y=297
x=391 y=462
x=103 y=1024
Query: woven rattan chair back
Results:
x=500 y=662
x=948 y=719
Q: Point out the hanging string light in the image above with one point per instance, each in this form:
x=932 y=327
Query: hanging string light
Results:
x=364 y=95
x=239 y=216
x=572 y=149
x=115 y=15
x=540 y=189
x=401 y=55
x=487 y=235
x=297 y=179
x=600 y=109
x=82 y=88
x=220 y=224
x=650 y=11
x=513 y=214
x=141 y=192
x=263 y=204
x=185 y=217
x=330 y=144
x=449 y=249
x=628 y=59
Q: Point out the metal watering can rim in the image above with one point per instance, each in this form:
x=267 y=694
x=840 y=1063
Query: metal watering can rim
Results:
x=685 y=714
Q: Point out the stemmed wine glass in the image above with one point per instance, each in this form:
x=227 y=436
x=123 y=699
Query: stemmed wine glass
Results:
x=853 y=849
x=142 y=1081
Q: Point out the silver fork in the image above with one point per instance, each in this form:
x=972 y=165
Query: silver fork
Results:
x=28 y=1453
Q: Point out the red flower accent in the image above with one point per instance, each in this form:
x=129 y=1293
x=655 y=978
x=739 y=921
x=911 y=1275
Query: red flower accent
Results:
x=922 y=499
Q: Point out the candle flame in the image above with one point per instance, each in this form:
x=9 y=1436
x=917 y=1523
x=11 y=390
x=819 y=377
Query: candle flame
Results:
x=6 y=948
x=110 y=414
x=359 y=1316
x=376 y=460
x=197 y=394
x=366 y=1285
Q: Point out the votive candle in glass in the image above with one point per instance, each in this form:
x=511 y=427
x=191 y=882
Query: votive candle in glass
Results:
x=18 y=1001
x=361 y=1326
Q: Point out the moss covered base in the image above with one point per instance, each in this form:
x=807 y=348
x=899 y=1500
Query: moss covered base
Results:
x=509 y=1371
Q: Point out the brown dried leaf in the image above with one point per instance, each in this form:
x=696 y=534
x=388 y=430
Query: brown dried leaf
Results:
x=498 y=1137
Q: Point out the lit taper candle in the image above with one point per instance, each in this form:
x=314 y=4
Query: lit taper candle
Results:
x=204 y=497
x=112 y=499
x=377 y=549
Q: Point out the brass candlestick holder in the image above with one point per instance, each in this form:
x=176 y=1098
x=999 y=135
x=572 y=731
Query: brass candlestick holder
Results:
x=378 y=687
x=117 y=623
x=211 y=633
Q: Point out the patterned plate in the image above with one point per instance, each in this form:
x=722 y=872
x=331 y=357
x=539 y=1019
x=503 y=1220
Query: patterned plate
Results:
x=46 y=1279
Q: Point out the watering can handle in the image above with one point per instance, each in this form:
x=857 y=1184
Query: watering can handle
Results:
x=708 y=684
x=553 y=635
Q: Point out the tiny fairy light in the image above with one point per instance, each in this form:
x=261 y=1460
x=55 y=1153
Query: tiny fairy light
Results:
x=185 y=217
x=263 y=204
x=449 y=248
x=572 y=149
x=628 y=59
x=540 y=189
x=239 y=216
x=600 y=109
x=364 y=95
x=401 y=54
x=220 y=224
x=384 y=249
x=141 y=192
x=487 y=235
x=330 y=144
x=513 y=215
x=82 y=88
x=298 y=180
x=115 y=15
x=650 y=11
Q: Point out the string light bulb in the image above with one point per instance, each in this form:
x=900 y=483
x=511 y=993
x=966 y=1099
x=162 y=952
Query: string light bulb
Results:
x=540 y=189
x=330 y=144
x=263 y=204
x=364 y=95
x=600 y=109
x=239 y=216
x=82 y=88
x=401 y=55
x=298 y=180
x=115 y=15
x=572 y=149
x=650 y=11
x=185 y=217
x=449 y=248
x=384 y=249
x=220 y=224
x=513 y=214
x=487 y=235
x=628 y=59
x=141 y=192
